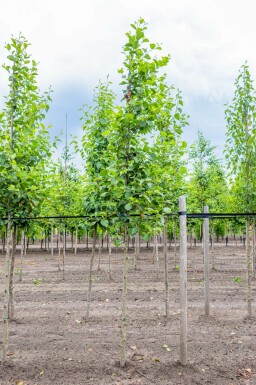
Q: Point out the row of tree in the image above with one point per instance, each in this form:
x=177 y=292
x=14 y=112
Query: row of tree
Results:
x=136 y=163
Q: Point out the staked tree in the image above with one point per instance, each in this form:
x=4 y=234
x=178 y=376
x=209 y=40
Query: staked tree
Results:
x=240 y=154
x=24 y=153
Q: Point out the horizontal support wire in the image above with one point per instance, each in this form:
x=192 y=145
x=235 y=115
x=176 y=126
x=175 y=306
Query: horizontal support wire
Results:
x=220 y=215
x=85 y=217
x=143 y=216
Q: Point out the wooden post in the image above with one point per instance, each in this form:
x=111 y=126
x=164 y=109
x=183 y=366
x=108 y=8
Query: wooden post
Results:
x=249 y=269
x=206 y=262
x=64 y=253
x=166 y=281
x=183 y=280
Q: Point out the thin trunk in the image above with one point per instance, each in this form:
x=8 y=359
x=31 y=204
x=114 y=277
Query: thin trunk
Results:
x=76 y=241
x=45 y=240
x=3 y=242
x=123 y=318
x=6 y=291
x=157 y=257
x=21 y=256
x=72 y=240
x=109 y=257
x=136 y=250
x=175 y=245
x=154 y=248
x=15 y=238
x=99 y=252
x=90 y=272
x=52 y=232
x=25 y=245
x=11 y=294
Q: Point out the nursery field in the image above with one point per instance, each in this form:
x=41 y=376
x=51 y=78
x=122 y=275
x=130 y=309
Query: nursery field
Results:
x=51 y=342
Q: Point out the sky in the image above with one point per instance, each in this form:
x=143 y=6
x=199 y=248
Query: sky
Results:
x=79 y=42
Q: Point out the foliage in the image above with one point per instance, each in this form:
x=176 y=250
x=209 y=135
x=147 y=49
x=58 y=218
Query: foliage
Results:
x=24 y=141
x=241 y=140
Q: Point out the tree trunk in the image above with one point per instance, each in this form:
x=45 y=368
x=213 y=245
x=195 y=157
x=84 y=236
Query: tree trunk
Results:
x=3 y=242
x=90 y=272
x=52 y=232
x=157 y=257
x=15 y=238
x=11 y=295
x=175 y=245
x=21 y=256
x=6 y=292
x=123 y=318
x=99 y=252
x=76 y=241
x=136 y=250
x=109 y=257
x=87 y=240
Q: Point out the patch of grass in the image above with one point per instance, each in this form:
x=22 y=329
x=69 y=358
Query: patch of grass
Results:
x=37 y=281
x=237 y=279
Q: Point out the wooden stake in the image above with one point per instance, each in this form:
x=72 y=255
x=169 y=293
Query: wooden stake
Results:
x=166 y=280
x=206 y=262
x=249 y=270
x=183 y=280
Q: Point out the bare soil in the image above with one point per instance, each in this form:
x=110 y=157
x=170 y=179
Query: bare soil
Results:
x=51 y=343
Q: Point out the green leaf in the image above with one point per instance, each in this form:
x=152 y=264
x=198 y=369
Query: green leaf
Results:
x=104 y=222
x=167 y=210
x=134 y=230
x=147 y=237
x=128 y=207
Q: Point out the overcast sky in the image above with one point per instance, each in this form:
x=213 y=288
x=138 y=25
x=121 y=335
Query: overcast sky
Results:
x=79 y=42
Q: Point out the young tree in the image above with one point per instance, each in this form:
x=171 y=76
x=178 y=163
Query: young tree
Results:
x=99 y=201
x=240 y=153
x=148 y=109
x=24 y=152
x=206 y=171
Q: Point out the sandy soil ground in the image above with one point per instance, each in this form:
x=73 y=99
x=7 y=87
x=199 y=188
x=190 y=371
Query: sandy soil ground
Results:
x=51 y=343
